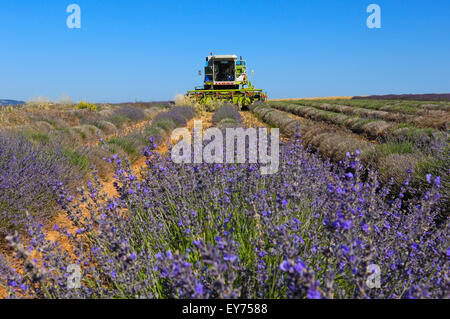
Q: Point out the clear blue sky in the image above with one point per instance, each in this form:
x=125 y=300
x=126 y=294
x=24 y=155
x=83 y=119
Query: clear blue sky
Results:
x=151 y=50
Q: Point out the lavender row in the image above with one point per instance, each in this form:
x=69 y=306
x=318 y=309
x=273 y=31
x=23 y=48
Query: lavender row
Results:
x=314 y=230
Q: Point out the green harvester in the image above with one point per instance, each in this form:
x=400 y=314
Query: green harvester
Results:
x=226 y=80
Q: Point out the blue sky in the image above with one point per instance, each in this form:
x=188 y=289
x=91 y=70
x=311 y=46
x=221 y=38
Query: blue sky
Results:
x=152 y=50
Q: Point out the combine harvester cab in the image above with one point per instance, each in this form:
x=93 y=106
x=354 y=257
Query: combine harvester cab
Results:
x=226 y=80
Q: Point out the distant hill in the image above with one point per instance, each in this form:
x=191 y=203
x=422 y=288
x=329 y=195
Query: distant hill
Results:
x=10 y=102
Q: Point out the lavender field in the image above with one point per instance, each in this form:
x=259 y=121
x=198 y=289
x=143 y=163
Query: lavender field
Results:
x=357 y=209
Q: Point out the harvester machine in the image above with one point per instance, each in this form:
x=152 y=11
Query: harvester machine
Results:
x=226 y=80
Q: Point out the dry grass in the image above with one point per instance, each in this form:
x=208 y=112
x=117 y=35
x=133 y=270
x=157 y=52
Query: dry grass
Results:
x=108 y=128
x=396 y=165
x=252 y=121
x=97 y=158
x=435 y=119
x=377 y=129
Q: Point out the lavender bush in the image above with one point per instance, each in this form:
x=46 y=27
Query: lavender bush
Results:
x=133 y=113
x=187 y=111
x=175 y=117
x=227 y=112
x=225 y=231
x=28 y=175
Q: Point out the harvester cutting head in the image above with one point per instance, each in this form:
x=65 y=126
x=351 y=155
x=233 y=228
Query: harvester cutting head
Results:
x=226 y=80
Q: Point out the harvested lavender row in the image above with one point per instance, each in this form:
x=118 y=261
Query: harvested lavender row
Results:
x=393 y=106
x=415 y=97
x=313 y=134
x=369 y=127
x=391 y=160
x=432 y=119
